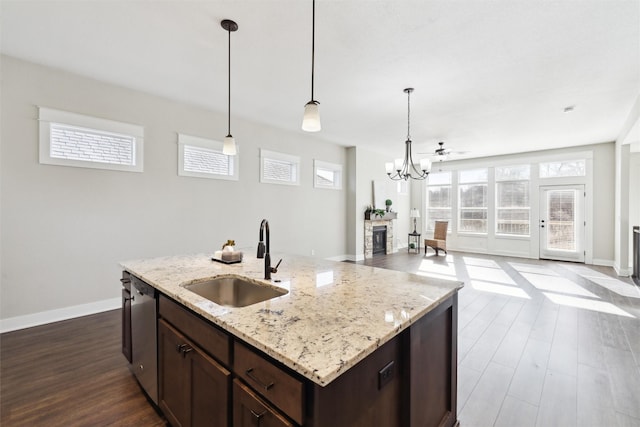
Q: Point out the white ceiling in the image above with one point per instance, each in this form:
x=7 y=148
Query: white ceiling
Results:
x=490 y=77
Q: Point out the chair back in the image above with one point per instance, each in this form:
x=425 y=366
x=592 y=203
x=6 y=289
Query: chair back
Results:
x=440 y=230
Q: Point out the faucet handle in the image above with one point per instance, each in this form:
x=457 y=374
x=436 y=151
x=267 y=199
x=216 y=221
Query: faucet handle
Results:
x=275 y=269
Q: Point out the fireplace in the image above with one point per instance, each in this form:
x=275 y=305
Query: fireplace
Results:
x=379 y=240
x=383 y=236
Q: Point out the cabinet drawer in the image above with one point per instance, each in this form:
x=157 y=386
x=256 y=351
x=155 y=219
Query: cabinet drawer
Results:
x=207 y=336
x=250 y=410
x=276 y=385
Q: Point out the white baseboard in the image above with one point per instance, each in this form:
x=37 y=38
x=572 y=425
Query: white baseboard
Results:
x=602 y=262
x=352 y=257
x=339 y=258
x=623 y=272
x=50 y=316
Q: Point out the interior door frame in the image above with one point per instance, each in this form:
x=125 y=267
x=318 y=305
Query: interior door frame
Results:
x=581 y=235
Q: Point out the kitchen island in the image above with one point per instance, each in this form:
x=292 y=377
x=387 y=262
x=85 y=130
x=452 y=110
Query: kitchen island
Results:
x=347 y=345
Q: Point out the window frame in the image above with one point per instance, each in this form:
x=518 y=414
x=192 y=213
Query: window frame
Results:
x=50 y=116
x=280 y=157
x=460 y=209
x=429 y=208
x=328 y=166
x=208 y=144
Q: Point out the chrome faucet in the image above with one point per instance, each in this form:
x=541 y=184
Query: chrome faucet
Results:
x=264 y=253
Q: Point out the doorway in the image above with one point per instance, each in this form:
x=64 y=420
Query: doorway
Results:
x=562 y=224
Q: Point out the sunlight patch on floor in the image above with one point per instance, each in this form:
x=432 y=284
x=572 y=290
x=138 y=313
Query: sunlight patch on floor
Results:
x=557 y=284
x=480 y=262
x=491 y=274
x=615 y=285
x=427 y=266
x=532 y=268
x=495 y=288
x=587 y=304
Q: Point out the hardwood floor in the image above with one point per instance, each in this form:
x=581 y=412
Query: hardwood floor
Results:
x=540 y=344
x=70 y=373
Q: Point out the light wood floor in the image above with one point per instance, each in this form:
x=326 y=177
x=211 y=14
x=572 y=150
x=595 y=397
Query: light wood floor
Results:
x=540 y=344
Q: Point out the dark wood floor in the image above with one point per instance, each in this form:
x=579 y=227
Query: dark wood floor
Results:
x=70 y=373
x=540 y=344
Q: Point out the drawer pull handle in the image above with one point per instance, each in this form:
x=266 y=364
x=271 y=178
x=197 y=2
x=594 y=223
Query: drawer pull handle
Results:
x=249 y=373
x=258 y=416
x=184 y=349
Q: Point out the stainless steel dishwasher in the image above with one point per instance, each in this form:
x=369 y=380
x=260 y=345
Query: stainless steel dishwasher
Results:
x=144 y=361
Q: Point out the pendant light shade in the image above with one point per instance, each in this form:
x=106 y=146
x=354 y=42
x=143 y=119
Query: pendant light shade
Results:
x=311 y=119
x=229 y=144
x=403 y=169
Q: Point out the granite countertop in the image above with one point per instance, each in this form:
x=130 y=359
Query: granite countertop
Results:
x=334 y=315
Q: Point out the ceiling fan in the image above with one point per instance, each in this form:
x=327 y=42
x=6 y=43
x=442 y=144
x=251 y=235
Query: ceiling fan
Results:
x=441 y=153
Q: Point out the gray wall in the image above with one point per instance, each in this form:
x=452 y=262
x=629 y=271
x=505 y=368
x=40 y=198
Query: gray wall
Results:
x=65 y=229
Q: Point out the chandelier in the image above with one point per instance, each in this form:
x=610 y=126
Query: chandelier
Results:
x=403 y=169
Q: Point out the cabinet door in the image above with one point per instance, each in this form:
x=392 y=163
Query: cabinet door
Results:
x=251 y=411
x=174 y=381
x=194 y=388
x=210 y=391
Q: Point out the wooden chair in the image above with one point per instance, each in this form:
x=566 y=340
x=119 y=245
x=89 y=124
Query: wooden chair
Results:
x=439 y=240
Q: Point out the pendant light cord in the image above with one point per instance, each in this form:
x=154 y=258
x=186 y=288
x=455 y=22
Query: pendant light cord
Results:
x=229 y=87
x=313 y=44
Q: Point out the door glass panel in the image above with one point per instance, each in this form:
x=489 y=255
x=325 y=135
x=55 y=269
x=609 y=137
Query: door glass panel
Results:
x=561 y=234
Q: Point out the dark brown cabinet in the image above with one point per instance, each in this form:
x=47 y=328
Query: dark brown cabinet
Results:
x=194 y=388
x=207 y=377
x=249 y=410
x=126 y=315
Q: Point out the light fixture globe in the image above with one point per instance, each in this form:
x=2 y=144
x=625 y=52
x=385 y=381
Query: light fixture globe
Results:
x=311 y=119
x=229 y=146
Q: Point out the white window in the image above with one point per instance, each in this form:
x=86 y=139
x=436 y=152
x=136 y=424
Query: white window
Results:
x=279 y=168
x=70 y=139
x=327 y=175
x=438 y=199
x=472 y=201
x=203 y=158
x=563 y=168
x=512 y=200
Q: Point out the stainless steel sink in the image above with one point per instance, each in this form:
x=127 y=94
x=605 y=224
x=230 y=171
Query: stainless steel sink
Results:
x=234 y=291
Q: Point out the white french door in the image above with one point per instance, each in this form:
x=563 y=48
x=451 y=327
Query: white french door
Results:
x=562 y=225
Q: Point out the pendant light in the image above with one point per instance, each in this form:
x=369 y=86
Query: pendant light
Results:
x=229 y=144
x=403 y=169
x=311 y=119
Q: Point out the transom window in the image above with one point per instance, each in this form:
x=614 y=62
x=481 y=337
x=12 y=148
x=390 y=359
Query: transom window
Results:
x=563 y=168
x=327 y=175
x=70 y=139
x=279 y=168
x=203 y=158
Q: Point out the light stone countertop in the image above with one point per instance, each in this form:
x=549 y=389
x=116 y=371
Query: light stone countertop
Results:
x=334 y=315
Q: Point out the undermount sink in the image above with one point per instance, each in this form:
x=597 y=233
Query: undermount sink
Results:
x=235 y=291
